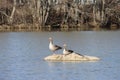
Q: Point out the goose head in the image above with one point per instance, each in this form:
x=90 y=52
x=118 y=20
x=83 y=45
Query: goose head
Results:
x=64 y=45
x=50 y=38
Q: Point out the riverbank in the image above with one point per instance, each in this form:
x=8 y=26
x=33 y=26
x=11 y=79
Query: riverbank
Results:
x=35 y=28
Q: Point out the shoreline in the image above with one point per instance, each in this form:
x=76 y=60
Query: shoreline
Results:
x=63 y=28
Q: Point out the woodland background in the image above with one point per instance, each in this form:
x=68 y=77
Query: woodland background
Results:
x=103 y=14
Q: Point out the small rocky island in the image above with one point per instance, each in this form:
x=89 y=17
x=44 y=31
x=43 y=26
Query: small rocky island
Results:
x=70 y=57
x=67 y=55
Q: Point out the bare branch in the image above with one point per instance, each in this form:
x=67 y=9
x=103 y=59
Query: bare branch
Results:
x=4 y=13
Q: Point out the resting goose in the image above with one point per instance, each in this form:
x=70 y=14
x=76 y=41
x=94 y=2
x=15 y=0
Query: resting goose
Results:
x=65 y=51
x=53 y=47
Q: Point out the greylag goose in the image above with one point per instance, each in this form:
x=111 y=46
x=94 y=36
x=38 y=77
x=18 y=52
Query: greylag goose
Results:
x=65 y=51
x=53 y=47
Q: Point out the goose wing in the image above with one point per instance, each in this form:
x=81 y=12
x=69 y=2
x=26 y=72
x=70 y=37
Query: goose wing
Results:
x=57 y=47
x=71 y=51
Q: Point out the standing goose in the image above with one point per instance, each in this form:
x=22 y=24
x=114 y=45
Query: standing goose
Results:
x=65 y=51
x=53 y=47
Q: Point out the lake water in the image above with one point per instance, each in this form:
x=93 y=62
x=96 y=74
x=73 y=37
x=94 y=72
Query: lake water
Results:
x=22 y=53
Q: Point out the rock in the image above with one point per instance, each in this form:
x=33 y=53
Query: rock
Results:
x=70 y=57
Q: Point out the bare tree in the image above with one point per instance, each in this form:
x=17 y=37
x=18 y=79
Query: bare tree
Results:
x=94 y=12
x=103 y=9
x=11 y=16
x=45 y=7
x=39 y=9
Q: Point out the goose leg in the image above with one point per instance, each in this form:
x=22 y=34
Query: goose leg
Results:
x=53 y=52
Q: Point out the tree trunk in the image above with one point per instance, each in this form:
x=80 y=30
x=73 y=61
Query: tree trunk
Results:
x=47 y=13
x=94 y=13
x=103 y=8
x=38 y=10
x=10 y=19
